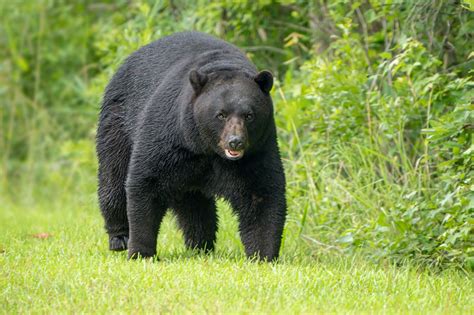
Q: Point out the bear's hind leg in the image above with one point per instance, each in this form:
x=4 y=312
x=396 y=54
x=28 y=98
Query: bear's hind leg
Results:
x=114 y=154
x=113 y=205
x=197 y=218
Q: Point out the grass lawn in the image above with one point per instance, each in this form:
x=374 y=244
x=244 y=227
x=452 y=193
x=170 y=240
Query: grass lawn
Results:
x=69 y=269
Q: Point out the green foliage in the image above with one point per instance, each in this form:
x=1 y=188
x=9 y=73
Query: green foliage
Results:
x=373 y=103
x=46 y=63
x=362 y=170
x=453 y=204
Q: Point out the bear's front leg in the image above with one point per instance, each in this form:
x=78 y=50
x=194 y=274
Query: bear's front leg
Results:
x=261 y=222
x=145 y=212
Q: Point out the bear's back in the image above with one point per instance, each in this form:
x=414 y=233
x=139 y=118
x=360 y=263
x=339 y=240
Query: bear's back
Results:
x=163 y=53
x=176 y=53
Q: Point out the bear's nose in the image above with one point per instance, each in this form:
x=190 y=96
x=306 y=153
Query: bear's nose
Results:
x=236 y=143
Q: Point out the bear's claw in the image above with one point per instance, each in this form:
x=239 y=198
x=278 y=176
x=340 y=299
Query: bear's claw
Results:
x=118 y=243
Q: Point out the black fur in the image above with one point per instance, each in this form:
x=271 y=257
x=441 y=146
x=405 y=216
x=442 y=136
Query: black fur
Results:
x=167 y=118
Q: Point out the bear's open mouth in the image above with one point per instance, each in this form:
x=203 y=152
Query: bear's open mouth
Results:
x=234 y=155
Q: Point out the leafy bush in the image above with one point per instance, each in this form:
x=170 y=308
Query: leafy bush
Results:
x=383 y=161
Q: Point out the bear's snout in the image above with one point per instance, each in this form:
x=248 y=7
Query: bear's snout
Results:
x=234 y=138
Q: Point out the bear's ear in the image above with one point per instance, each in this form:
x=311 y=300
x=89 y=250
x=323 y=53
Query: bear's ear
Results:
x=198 y=80
x=264 y=79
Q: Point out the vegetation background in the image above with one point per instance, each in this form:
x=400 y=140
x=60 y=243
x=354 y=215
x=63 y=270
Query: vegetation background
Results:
x=373 y=98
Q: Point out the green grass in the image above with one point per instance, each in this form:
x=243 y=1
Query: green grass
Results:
x=73 y=272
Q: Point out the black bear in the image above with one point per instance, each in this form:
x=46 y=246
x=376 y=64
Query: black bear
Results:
x=184 y=120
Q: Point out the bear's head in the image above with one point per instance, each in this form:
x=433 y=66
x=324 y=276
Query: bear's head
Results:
x=233 y=112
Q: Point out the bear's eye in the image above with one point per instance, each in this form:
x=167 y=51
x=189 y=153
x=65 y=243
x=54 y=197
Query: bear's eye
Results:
x=221 y=116
x=249 y=116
